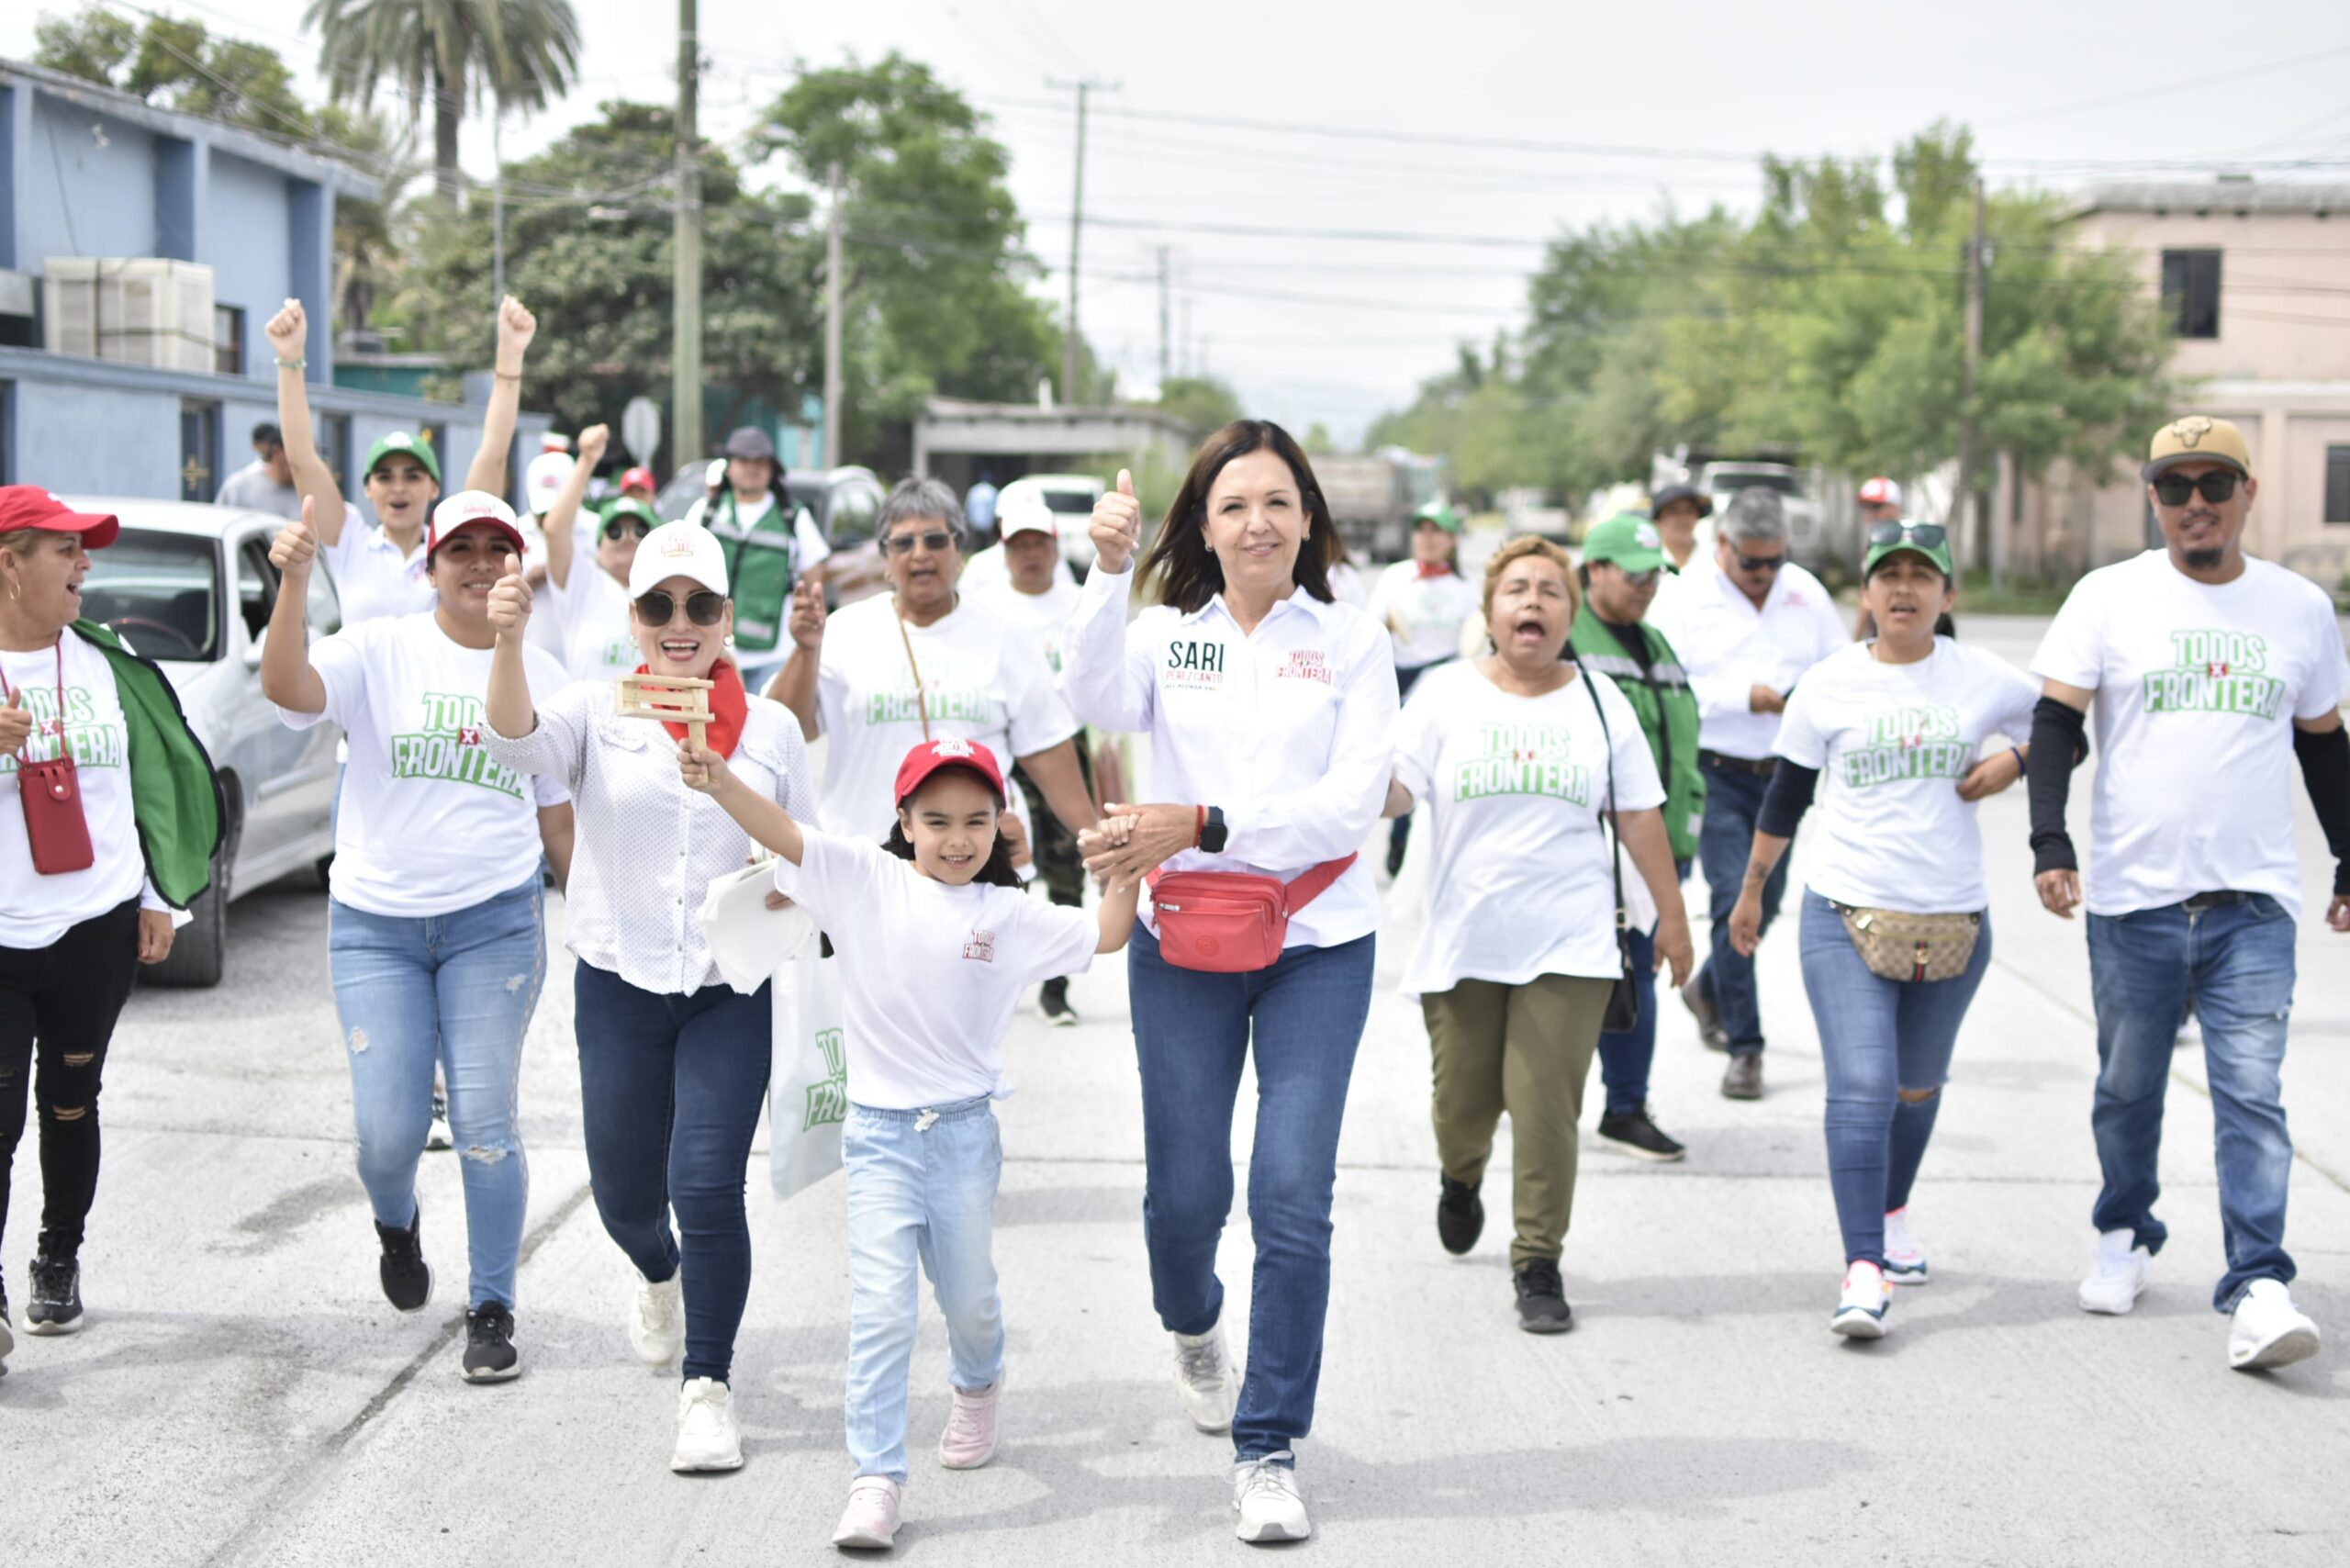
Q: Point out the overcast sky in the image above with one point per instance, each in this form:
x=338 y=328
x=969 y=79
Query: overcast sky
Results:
x=1625 y=108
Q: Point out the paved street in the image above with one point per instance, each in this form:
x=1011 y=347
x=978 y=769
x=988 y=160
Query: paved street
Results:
x=243 y=1394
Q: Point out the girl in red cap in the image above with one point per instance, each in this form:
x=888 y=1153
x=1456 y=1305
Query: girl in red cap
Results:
x=936 y=941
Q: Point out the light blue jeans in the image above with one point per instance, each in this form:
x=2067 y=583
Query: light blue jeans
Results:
x=458 y=988
x=919 y=1197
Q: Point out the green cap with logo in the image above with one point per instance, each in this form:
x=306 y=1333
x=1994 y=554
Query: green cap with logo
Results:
x=1437 y=512
x=402 y=441
x=1928 y=539
x=632 y=505
x=1626 y=539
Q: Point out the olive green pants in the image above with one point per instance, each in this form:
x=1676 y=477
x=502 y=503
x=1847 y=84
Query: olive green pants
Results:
x=1525 y=1049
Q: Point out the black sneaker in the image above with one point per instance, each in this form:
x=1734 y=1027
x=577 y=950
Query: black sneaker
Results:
x=56 y=1306
x=1542 y=1298
x=1053 y=997
x=1460 y=1216
x=438 y=1138
x=1394 y=859
x=407 y=1277
x=491 y=1356
x=1634 y=1133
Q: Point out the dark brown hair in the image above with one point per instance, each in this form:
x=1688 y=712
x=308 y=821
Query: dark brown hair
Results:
x=1188 y=572
x=997 y=870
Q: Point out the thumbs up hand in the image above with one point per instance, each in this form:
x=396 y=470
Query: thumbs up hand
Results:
x=297 y=544
x=509 y=602
x=16 y=723
x=1117 y=526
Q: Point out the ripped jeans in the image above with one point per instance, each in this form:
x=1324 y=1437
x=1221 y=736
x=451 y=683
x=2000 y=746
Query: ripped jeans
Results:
x=458 y=988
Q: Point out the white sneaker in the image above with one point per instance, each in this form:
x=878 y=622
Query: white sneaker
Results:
x=2267 y=1330
x=656 y=1322
x=1905 y=1261
x=2117 y=1274
x=1265 y=1495
x=869 y=1523
x=1204 y=1379
x=1859 y=1314
x=969 y=1438
x=708 y=1438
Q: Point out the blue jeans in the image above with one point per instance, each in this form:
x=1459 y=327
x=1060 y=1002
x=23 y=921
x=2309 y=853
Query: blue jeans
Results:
x=670 y=1089
x=918 y=1196
x=1733 y=801
x=1878 y=1039
x=1625 y=1059
x=2233 y=965
x=1193 y=1033
x=458 y=988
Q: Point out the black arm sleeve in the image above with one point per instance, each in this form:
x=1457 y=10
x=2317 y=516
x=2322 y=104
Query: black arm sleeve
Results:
x=2325 y=769
x=1786 y=801
x=2059 y=741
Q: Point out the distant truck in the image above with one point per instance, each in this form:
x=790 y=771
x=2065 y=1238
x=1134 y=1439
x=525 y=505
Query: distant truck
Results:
x=1722 y=478
x=1372 y=497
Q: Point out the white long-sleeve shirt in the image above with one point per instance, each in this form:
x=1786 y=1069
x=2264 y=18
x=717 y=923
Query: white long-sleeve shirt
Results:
x=1289 y=730
x=1730 y=647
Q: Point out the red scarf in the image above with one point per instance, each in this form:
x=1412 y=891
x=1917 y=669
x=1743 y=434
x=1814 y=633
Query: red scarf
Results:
x=728 y=708
x=1434 y=568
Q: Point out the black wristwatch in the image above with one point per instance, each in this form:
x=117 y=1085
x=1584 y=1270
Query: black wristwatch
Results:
x=1213 y=833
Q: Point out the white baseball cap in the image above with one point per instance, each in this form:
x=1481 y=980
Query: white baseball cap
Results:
x=543 y=480
x=678 y=549
x=1029 y=514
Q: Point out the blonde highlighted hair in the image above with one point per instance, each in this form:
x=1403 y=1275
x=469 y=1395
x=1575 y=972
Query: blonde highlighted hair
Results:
x=1518 y=550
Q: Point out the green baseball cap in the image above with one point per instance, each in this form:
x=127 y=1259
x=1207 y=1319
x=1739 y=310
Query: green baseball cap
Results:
x=632 y=505
x=1437 y=512
x=1928 y=539
x=1627 y=539
x=401 y=440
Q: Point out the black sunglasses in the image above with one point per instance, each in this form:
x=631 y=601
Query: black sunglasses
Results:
x=703 y=608
x=612 y=526
x=1639 y=579
x=936 y=541
x=1761 y=563
x=1927 y=535
x=2217 y=486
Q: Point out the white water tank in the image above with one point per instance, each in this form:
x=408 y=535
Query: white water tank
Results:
x=144 y=311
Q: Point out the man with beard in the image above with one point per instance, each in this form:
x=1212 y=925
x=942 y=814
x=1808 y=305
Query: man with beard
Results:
x=2207 y=669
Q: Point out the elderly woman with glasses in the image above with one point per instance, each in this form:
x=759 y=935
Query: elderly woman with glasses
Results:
x=924 y=663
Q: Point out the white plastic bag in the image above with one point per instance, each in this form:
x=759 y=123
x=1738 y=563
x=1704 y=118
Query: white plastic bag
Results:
x=808 y=1094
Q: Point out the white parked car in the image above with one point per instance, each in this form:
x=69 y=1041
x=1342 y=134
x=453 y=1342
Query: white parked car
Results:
x=191 y=586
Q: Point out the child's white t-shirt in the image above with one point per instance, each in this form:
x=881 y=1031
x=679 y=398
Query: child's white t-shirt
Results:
x=929 y=972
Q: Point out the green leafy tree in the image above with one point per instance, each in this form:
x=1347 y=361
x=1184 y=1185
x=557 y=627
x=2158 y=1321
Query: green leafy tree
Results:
x=95 y=45
x=177 y=64
x=1201 y=401
x=450 y=53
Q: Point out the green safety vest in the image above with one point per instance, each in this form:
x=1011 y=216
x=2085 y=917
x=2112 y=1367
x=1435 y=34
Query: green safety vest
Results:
x=1668 y=712
x=175 y=797
x=758 y=567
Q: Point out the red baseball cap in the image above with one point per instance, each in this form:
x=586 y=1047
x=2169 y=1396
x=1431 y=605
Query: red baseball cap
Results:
x=639 y=478
x=1880 y=492
x=931 y=755
x=29 y=505
x=472 y=506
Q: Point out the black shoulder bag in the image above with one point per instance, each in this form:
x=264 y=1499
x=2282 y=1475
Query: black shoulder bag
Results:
x=1624 y=1001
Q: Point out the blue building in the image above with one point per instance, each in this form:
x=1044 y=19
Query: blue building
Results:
x=88 y=175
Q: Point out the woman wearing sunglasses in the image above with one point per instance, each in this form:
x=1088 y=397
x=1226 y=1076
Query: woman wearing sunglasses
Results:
x=1895 y=934
x=921 y=664
x=673 y=1062
x=589 y=604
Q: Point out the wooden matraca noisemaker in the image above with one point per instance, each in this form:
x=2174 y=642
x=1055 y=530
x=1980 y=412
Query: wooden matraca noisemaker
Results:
x=674 y=698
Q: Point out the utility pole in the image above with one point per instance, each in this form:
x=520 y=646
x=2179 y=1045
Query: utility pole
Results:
x=1085 y=90
x=1165 y=364
x=832 y=327
x=1962 y=508
x=1190 y=364
x=497 y=202
x=684 y=329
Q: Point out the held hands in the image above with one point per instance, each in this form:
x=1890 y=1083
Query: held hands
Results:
x=1118 y=526
x=1675 y=947
x=592 y=442
x=154 y=935
x=297 y=544
x=2060 y=893
x=509 y=603
x=1150 y=836
x=288 y=331
x=516 y=327
x=15 y=722
x=807 y=619
x=1991 y=775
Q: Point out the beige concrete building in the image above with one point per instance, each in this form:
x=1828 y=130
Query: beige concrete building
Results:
x=2254 y=281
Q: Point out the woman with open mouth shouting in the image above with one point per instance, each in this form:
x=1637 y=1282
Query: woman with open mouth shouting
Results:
x=426 y=968
x=1524 y=761
x=673 y=1062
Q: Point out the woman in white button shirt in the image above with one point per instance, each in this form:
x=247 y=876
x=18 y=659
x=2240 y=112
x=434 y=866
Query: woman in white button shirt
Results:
x=1271 y=711
x=673 y=1062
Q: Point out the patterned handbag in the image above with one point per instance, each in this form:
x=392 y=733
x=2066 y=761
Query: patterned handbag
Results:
x=1899 y=946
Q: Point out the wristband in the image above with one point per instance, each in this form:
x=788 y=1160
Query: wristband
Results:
x=502 y=376
x=2016 y=752
x=294 y=363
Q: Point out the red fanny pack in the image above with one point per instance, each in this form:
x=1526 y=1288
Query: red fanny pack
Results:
x=55 y=829
x=1232 y=921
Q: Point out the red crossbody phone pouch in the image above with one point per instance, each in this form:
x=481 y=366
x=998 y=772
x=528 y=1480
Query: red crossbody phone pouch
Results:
x=55 y=828
x=1232 y=923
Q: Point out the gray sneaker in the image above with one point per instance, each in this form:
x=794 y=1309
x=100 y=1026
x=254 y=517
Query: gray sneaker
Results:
x=1742 y=1079
x=1700 y=1003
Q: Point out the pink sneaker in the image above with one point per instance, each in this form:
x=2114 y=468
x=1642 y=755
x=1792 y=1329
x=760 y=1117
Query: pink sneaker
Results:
x=870 y=1520
x=968 y=1441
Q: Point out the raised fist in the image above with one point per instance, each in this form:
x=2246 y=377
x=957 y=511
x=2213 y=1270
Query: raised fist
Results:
x=592 y=443
x=288 y=331
x=516 y=327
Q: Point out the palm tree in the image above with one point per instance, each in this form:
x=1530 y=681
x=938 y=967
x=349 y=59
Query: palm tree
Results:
x=516 y=53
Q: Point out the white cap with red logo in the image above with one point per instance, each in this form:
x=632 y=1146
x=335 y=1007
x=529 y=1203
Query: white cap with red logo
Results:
x=470 y=507
x=1880 y=492
x=678 y=549
x=543 y=480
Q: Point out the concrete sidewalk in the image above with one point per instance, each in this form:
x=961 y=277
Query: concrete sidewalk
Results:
x=243 y=1394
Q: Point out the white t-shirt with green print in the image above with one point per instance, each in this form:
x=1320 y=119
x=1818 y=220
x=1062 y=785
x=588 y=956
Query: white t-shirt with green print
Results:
x=430 y=823
x=37 y=910
x=1512 y=790
x=1891 y=743
x=2197 y=690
